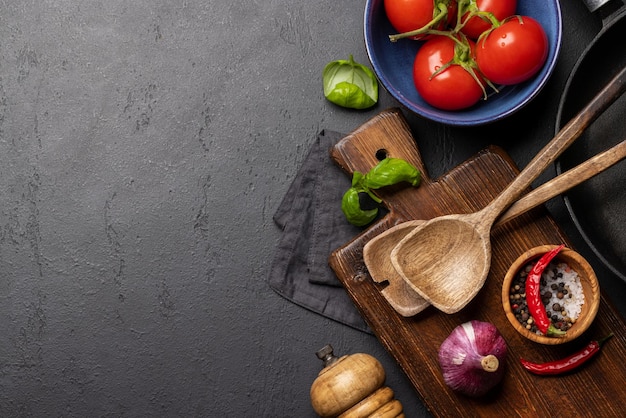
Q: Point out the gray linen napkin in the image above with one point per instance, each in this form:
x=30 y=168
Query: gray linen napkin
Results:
x=313 y=226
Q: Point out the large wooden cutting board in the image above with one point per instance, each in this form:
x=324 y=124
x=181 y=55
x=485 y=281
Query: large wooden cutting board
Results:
x=597 y=389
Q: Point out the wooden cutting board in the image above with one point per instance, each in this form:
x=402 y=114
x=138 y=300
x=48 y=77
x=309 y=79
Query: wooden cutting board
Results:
x=596 y=389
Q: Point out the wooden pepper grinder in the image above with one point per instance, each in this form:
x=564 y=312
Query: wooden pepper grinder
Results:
x=351 y=386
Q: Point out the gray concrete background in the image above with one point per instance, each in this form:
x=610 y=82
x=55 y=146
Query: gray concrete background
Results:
x=144 y=147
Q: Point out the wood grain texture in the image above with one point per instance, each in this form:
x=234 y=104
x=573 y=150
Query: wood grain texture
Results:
x=377 y=258
x=447 y=259
x=594 y=390
x=377 y=251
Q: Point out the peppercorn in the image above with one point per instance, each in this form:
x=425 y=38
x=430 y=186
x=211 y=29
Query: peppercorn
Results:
x=556 y=313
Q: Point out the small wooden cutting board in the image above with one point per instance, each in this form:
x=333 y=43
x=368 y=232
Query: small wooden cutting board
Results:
x=596 y=389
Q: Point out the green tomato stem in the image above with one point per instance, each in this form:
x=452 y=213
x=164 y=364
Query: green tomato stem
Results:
x=469 y=7
x=486 y=16
x=426 y=29
x=472 y=72
x=463 y=6
x=462 y=57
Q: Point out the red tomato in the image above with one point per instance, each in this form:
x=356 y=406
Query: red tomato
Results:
x=409 y=15
x=501 y=9
x=512 y=52
x=452 y=89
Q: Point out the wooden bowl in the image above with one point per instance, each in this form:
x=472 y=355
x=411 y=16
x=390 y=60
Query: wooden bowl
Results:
x=588 y=281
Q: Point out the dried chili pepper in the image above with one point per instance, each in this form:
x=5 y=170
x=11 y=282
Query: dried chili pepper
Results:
x=533 y=295
x=568 y=363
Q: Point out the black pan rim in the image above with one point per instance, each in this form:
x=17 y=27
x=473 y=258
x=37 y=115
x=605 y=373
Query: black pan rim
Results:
x=618 y=16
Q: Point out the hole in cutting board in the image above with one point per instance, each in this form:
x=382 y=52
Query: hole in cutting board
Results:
x=381 y=154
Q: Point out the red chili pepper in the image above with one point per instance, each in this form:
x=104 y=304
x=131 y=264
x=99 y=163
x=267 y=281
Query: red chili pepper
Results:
x=533 y=297
x=568 y=363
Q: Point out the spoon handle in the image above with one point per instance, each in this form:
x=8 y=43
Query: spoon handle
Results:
x=564 y=138
x=565 y=181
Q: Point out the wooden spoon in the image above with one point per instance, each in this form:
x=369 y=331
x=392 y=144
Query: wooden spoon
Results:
x=377 y=251
x=447 y=259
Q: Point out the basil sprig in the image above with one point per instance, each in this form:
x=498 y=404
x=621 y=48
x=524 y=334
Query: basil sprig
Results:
x=350 y=84
x=387 y=172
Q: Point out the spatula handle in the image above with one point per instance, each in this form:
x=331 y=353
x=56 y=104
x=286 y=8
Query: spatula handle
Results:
x=566 y=136
x=565 y=181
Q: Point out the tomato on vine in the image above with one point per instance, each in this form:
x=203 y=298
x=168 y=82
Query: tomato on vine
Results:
x=407 y=16
x=477 y=16
x=512 y=52
x=445 y=75
x=450 y=72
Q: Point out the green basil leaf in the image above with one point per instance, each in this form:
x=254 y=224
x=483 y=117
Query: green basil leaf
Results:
x=357 y=180
x=352 y=209
x=350 y=84
x=391 y=171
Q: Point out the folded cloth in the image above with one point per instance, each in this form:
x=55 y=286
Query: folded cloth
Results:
x=313 y=226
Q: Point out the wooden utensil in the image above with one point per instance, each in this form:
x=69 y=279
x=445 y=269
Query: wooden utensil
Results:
x=377 y=251
x=413 y=342
x=589 y=287
x=446 y=260
x=352 y=386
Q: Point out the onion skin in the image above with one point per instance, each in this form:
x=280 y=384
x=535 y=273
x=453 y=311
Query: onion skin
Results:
x=472 y=358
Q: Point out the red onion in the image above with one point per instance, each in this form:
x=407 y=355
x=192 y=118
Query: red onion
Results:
x=472 y=358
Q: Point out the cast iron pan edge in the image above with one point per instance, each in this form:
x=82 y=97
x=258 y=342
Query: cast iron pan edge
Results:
x=597 y=207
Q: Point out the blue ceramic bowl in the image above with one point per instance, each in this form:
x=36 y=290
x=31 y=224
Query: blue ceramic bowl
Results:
x=393 y=65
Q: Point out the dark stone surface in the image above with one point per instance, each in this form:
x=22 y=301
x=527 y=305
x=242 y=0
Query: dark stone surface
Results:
x=144 y=147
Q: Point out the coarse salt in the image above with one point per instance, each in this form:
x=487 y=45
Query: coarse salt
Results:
x=572 y=302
